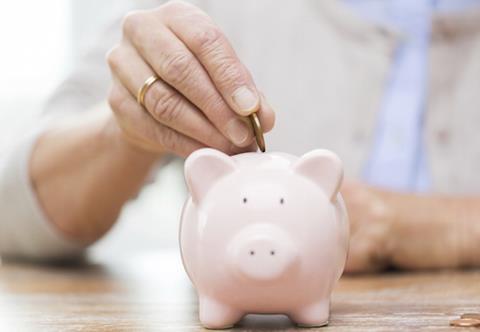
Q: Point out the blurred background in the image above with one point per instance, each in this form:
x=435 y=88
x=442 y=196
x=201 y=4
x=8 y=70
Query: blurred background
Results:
x=41 y=42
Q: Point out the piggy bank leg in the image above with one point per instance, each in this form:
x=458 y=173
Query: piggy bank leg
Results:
x=216 y=315
x=315 y=314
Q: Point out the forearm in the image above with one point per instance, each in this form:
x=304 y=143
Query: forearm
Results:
x=84 y=173
x=434 y=231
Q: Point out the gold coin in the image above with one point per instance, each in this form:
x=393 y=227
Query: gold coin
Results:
x=471 y=315
x=257 y=128
x=465 y=322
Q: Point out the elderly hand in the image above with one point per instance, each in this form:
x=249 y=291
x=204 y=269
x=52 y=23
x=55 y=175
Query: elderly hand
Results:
x=204 y=91
x=410 y=231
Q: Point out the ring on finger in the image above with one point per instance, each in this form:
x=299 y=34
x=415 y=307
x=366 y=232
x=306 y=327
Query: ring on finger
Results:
x=144 y=88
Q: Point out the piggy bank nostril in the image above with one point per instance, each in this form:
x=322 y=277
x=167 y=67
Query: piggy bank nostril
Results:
x=272 y=252
x=252 y=252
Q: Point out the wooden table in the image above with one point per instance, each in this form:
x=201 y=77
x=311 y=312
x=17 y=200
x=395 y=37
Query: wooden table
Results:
x=152 y=293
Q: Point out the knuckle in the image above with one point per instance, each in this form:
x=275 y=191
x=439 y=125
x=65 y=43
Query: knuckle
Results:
x=131 y=21
x=168 y=138
x=114 y=58
x=226 y=68
x=227 y=72
x=178 y=67
x=167 y=107
x=175 y=6
x=215 y=104
x=208 y=39
x=117 y=100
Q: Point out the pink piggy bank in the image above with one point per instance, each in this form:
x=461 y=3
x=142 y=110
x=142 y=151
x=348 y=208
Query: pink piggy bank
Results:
x=264 y=233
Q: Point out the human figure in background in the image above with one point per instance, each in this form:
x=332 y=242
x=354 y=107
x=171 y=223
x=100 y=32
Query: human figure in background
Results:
x=392 y=87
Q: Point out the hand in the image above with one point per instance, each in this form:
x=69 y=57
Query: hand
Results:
x=371 y=227
x=204 y=91
x=410 y=231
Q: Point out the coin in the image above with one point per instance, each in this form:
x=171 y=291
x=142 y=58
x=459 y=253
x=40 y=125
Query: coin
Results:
x=465 y=322
x=471 y=315
x=257 y=128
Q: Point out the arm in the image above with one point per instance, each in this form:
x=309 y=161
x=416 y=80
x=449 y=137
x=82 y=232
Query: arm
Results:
x=83 y=174
x=411 y=231
x=434 y=231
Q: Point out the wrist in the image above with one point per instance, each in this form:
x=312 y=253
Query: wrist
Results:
x=389 y=209
x=429 y=233
x=113 y=134
x=75 y=164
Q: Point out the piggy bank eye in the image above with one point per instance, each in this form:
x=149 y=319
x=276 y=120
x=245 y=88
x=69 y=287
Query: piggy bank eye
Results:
x=282 y=200
x=244 y=200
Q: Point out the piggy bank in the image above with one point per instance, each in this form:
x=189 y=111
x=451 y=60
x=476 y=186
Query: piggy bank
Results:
x=264 y=234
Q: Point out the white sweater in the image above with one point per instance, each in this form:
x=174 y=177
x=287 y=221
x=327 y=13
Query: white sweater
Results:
x=24 y=230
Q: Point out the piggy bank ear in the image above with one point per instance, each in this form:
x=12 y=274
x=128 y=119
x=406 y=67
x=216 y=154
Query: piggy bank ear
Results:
x=203 y=168
x=324 y=168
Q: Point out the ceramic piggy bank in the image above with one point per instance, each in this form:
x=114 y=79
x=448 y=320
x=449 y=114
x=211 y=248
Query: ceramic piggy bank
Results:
x=264 y=233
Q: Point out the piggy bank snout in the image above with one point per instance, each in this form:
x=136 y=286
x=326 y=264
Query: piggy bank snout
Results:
x=263 y=254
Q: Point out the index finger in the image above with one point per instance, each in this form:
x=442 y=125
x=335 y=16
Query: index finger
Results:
x=210 y=46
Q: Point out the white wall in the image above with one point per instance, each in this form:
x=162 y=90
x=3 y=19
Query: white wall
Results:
x=35 y=38
x=35 y=49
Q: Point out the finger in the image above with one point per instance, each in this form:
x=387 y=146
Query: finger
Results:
x=361 y=257
x=164 y=103
x=177 y=66
x=216 y=54
x=140 y=128
x=266 y=114
x=204 y=38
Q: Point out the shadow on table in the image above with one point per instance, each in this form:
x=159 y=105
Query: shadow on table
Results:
x=265 y=322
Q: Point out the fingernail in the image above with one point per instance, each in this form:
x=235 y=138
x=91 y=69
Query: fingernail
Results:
x=266 y=103
x=238 y=131
x=268 y=115
x=245 y=100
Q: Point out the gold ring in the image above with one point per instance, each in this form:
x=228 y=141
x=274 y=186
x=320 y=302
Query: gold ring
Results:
x=143 y=90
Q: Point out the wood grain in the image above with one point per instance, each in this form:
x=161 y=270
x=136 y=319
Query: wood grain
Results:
x=152 y=293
